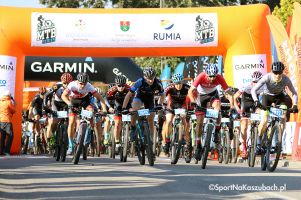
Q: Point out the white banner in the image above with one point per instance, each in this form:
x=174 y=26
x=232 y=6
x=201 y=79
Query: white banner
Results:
x=124 y=30
x=245 y=65
x=8 y=73
x=288 y=137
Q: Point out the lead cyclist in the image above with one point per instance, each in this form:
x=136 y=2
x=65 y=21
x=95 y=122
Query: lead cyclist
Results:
x=276 y=83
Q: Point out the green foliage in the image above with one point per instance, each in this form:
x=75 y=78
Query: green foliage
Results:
x=285 y=10
x=73 y=3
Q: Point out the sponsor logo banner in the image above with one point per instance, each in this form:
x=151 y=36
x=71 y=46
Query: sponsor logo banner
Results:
x=7 y=73
x=124 y=30
x=245 y=65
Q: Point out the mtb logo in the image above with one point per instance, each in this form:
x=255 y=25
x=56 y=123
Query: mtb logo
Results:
x=46 y=30
x=125 y=25
x=204 y=31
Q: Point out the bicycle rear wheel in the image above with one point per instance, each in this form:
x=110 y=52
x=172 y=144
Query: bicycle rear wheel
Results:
x=273 y=150
x=58 y=142
x=65 y=142
x=234 y=150
x=206 y=142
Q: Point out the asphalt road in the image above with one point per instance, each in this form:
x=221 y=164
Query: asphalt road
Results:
x=40 y=177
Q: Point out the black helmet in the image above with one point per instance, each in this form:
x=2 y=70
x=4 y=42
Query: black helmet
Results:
x=83 y=77
x=120 y=79
x=149 y=72
x=277 y=66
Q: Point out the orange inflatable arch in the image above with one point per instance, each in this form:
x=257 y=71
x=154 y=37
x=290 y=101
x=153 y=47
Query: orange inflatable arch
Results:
x=226 y=31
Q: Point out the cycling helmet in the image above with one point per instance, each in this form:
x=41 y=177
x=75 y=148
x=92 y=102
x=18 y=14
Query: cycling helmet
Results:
x=120 y=79
x=277 y=66
x=149 y=72
x=177 y=78
x=42 y=90
x=66 y=78
x=211 y=70
x=83 y=77
x=256 y=76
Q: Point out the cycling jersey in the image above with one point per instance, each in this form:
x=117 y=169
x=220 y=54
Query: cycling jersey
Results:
x=204 y=86
x=274 y=88
x=37 y=104
x=57 y=103
x=176 y=98
x=145 y=92
x=117 y=96
x=75 y=92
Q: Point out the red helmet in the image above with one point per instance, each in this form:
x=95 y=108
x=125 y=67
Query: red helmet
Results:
x=66 y=78
x=42 y=90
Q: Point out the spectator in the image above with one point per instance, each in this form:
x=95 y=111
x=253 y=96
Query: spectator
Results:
x=7 y=109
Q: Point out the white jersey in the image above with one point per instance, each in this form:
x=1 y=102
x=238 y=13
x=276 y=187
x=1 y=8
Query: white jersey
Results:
x=75 y=92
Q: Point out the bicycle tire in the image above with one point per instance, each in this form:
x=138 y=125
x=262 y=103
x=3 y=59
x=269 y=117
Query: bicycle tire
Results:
x=220 y=149
x=148 y=144
x=79 y=147
x=65 y=142
x=124 y=152
x=271 y=166
x=226 y=146
x=252 y=147
x=58 y=141
x=177 y=144
x=234 y=150
x=263 y=153
x=207 y=134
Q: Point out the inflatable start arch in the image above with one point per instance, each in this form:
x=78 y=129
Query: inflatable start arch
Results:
x=240 y=34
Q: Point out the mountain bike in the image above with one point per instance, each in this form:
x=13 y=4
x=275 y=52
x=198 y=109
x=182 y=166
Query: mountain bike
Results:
x=83 y=136
x=271 y=143
x=61 y=136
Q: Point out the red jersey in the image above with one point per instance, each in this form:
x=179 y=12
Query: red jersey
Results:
x=204 y=86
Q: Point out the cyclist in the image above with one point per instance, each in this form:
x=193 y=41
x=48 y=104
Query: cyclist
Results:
x=76 y=96
x=107 y=122
x=98 y=122
x=57 y=104
x=206 y=85
x=246 y=107
x=117 y=94
x=276 y=83
x=35 y=110
x=144 y=91
x=176 y=92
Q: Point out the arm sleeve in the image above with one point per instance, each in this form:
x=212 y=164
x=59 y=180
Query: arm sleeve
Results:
x=135 y=87
x=256 y=87
x=48 y=96
x=294 y=93
x=222 y=82
x=197 y=80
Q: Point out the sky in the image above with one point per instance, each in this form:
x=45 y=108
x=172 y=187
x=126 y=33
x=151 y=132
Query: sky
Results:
x=21 y=3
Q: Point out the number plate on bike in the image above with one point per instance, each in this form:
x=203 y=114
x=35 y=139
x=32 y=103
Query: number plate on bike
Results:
x=156 y=118
x=180 y=111
x=236 y=123
x=62 y=114
x=255 y=117
x=193 y=117
x=225 y=120
x=276 y=112
x=143 y=112
x=42 y=120
x=86 y=113
x=126 y=118
x=211 y=113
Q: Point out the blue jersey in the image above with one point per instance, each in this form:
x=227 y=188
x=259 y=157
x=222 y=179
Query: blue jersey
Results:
x=145 y=91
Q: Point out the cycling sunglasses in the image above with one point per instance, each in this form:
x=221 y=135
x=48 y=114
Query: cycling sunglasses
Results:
x=211 y=76
x=120 y=85
x=277 y=72
x=81 y=83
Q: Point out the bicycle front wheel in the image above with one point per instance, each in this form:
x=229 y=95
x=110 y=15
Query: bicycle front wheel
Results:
x=80 y=142
x=206 y=142
x=252 y=147
x=273 y=148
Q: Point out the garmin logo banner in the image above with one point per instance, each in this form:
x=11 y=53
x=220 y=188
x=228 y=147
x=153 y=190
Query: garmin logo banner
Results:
x=99 y=69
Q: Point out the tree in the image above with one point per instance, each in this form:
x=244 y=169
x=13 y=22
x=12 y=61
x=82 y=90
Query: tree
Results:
x=285 y=10
x=73 y=3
